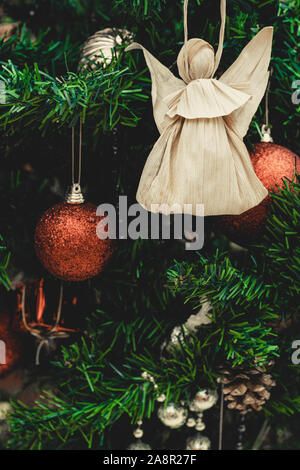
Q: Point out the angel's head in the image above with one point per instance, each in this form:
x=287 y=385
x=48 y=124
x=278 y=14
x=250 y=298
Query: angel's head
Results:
x=196 y=59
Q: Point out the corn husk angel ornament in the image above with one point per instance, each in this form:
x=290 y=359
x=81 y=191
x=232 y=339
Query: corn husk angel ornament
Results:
x=200 y=156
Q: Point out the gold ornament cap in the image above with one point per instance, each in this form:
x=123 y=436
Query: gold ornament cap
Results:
x=266 y=134
x=74 y=196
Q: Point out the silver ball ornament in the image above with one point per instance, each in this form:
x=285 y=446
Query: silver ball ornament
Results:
x=99 y=48
x=161 y=398
x=5 y=408
x=139 y=445
x=198 y=442
x=138 y=433
x=204 y=400
x=191 y=422
x=173 y=416
x=200 y=426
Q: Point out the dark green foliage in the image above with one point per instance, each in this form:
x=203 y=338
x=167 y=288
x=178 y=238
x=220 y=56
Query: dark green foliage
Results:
x=283 y=244
x=100 y=376
x=4 y=260
x=55 y=54
x=41 y=100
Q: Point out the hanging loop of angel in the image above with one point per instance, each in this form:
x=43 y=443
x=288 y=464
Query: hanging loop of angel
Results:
x=221 y=34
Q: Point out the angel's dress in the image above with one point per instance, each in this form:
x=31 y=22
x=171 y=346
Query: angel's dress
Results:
x=200 y=157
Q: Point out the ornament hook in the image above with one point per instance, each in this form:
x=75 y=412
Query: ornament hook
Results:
x=266 y=133
x=75 y=196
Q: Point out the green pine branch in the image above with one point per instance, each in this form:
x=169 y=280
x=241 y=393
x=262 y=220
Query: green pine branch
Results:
x=4 y=261
x=34 y=98
x=130 y=81
x=280 y=246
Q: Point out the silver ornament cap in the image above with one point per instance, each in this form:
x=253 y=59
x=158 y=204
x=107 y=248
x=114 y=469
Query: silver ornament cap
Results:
x=74 y=195
x=266 y=134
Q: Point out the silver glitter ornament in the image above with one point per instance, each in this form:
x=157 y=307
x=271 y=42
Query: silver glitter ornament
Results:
x=173 y=416
x=99 y=49
x=198 y=442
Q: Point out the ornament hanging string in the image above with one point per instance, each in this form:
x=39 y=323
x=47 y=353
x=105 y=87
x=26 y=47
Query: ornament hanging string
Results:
x=221 y=34
x=45 y=337
x=221 y=419
x=267 y=104
x=265 y=130
x=79 y=153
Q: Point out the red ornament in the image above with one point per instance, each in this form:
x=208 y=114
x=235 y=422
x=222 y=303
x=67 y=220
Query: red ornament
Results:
x=11 y=344
x=66 y=242
x=271 y=164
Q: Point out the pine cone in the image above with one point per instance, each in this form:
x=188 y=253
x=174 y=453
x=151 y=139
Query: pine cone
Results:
x=246 y=389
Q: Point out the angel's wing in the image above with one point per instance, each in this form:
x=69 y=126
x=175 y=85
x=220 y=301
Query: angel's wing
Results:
x=163 y=83
x=251 y=66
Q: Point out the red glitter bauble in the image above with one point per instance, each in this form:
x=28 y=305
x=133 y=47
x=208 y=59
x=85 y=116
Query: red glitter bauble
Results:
x=271 y=164
x=10 y=346
x=66 y=242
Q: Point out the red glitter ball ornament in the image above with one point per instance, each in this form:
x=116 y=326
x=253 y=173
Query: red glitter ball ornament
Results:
x=67 y=244
x=10 y=346
x=271 y=164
